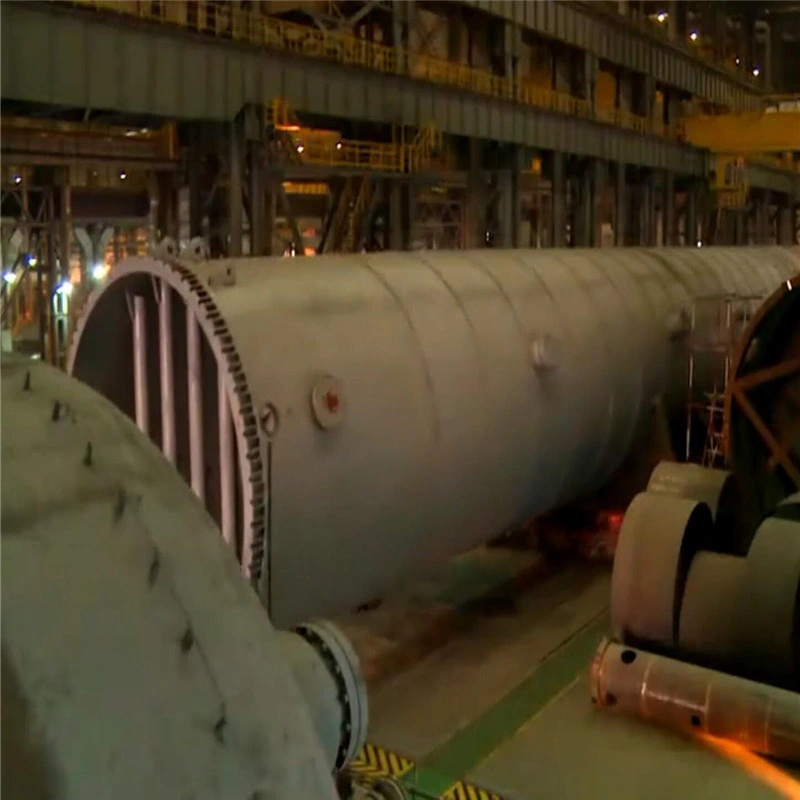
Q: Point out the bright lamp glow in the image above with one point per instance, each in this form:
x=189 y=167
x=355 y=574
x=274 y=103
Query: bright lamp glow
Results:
x=9 y=276
x=99 y=271
x=662 y=16
x=756 y=72
x=65 y=288
x=693 y=36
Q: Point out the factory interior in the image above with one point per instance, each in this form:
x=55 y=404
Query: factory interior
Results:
x=400 y=399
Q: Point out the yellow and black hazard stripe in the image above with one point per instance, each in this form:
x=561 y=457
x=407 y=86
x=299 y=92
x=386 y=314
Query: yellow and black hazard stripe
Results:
x=466 y=791
x=376 y=762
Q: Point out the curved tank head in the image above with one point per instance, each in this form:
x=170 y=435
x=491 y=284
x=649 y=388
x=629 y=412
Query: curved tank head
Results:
x=136 y=662
x=349 y=419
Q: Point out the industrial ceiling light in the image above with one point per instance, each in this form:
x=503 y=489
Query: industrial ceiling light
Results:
x=122 y=174
x=18 y=179
x=99 y=271
x=65 y=288
x=693 y=36
x=756 y=72
x=338 y=145
x=738 y=61
x=300 y=148
x=662 y=16
x=9 y=276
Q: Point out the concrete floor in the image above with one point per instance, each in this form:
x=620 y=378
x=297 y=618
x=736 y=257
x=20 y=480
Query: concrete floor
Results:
x=505 y=704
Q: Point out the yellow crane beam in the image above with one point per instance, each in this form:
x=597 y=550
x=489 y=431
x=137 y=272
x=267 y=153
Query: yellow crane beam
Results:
x=750 y=132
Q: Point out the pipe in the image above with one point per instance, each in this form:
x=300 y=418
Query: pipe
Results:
x=696 y=700
x=166 y=368
x=195 y=378
x=227 y=469
x=119 y=596
x=140 y=365
x=394 y=409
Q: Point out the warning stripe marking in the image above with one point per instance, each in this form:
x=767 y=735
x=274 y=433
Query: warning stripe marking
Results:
x=467 y=791
x=377 y=762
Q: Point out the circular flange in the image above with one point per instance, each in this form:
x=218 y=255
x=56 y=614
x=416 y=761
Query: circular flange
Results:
x=327 y=403
x=343 y=662
x=708 y=611
x=768 y=613
x=659 y=537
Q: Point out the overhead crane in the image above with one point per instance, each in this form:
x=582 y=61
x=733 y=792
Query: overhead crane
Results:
x=770 y=136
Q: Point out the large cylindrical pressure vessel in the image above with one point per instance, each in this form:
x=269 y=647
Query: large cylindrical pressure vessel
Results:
x=136 y=662
x=391 y=409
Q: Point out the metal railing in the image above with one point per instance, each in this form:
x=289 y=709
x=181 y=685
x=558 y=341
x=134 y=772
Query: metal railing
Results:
x=75 y=140
x=327 y=148
x=222 y=20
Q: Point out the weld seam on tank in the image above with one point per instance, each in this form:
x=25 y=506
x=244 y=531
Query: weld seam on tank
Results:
x=602 y=442
x=628 y=436
x=419 y=347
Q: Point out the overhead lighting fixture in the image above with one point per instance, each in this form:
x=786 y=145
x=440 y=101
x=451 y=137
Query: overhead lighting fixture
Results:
x=662 y=16
x=300 y=148
x=65 y=288
x=18 y=179
x=738 y=61
x=32 y=262
x=693 y=36
x=756 y=72
x=99 y=271
x=338 y=145
x=9 y=276
x=699 y=244
x=123 y=175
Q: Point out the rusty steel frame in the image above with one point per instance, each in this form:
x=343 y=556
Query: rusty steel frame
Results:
x=740 y=384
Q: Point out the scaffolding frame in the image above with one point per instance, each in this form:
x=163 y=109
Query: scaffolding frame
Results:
x=717 y=324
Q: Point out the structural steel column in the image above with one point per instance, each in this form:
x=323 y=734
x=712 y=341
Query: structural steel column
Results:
x=669 y=231
x=154 y=234
x=558 y=216
x=508 y=209
x=785 y=225
x=403 y=12
x=690 y=224
x=645 y=210
x=258 y=217
x=65 y=223
x=412 y=215
x=740 y=228
x=475 y=234
x=397 y=241
x=512 y=44
x=583 y=211
x=235 y=215
x=762 y=219
x=195 y=169
x=620 y=206
x=600 y=189
x=590 y=67
x=672 y=20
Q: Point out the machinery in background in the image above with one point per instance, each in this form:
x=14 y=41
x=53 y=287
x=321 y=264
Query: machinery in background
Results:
x=136 y=662
x=706 y=582
x=349 y=419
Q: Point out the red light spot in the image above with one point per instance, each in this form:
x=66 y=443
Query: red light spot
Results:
x=331 y=400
